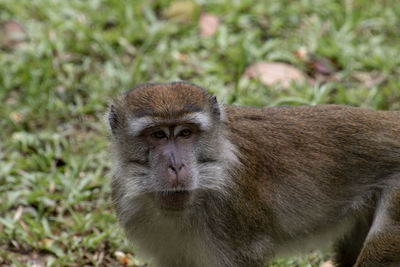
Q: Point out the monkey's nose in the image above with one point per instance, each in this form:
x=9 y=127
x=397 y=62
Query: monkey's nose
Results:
x=176 y=168
x=178 y=176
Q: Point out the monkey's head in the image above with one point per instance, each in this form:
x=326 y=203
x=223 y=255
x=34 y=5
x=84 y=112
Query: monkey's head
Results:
x=169 y=146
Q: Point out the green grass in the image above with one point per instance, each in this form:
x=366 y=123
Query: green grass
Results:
x=55 y=206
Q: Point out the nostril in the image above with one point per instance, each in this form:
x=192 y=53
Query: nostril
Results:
x=176 y=169
x=172 y=168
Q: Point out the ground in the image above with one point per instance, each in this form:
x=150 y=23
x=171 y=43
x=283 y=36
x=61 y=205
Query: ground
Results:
x=62 y=61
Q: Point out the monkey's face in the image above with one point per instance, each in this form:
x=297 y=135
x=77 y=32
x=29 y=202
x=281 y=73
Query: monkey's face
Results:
x=166 y=163
x=168 y=148
x=173 y=163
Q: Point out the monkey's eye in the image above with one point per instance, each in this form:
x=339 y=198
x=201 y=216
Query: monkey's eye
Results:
x=159 y=134
x=185 y=133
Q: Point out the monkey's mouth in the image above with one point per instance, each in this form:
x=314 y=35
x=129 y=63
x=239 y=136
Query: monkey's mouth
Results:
x=173 y=200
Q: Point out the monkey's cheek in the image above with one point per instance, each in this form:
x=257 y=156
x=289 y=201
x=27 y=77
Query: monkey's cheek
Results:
x=173 y=201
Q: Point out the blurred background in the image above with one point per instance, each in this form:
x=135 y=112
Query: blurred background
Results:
x=61 y=62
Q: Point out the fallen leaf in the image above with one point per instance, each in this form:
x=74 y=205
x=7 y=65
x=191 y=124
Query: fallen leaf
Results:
x=323 y=65
x=208 y=25
x=13 y=34
x=99 y=257
x=18 y=213
x=125 y=259
x=121 y=257
x=275 y=73
x=25 y=227
x=327 y=264
x=302 y=53
x=128 y=259
x=180 y=56
x=129 y=48
x=183 y=11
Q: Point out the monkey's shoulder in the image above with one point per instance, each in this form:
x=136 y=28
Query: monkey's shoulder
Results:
x=339 y=114
x=311 y=128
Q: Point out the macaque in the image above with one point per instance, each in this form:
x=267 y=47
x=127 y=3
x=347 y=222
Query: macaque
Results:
x=199 y=184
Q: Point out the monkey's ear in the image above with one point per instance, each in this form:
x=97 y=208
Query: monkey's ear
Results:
x=215 y=107
x=113 y=119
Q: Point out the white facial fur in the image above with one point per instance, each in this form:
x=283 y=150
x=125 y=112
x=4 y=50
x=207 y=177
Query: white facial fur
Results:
x=136 y=125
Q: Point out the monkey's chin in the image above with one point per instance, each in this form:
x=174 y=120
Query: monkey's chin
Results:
x=173 y=200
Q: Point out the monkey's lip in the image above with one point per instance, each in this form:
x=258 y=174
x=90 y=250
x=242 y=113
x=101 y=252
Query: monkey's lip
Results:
x=173 y=200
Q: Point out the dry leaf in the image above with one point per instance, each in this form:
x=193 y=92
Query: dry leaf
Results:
x=208 y=25
x=275 y=73
x=121 y=257
x=18 y=213
x=99 y=257
x=302 y=53
x=184 y=11
x=25 y=227
x=323 y=65
x=180 y=56
x=327 y=264
x=128 y=259
x=13 y=34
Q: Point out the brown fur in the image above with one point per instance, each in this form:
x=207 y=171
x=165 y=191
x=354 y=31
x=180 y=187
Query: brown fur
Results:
x=319 y=159
x=165 y=100
x=302 y=172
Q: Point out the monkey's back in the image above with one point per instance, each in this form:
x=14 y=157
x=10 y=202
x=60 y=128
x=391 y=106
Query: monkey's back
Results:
x=306 y=135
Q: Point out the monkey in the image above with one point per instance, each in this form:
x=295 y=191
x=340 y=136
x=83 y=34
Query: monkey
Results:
x=197 y=183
